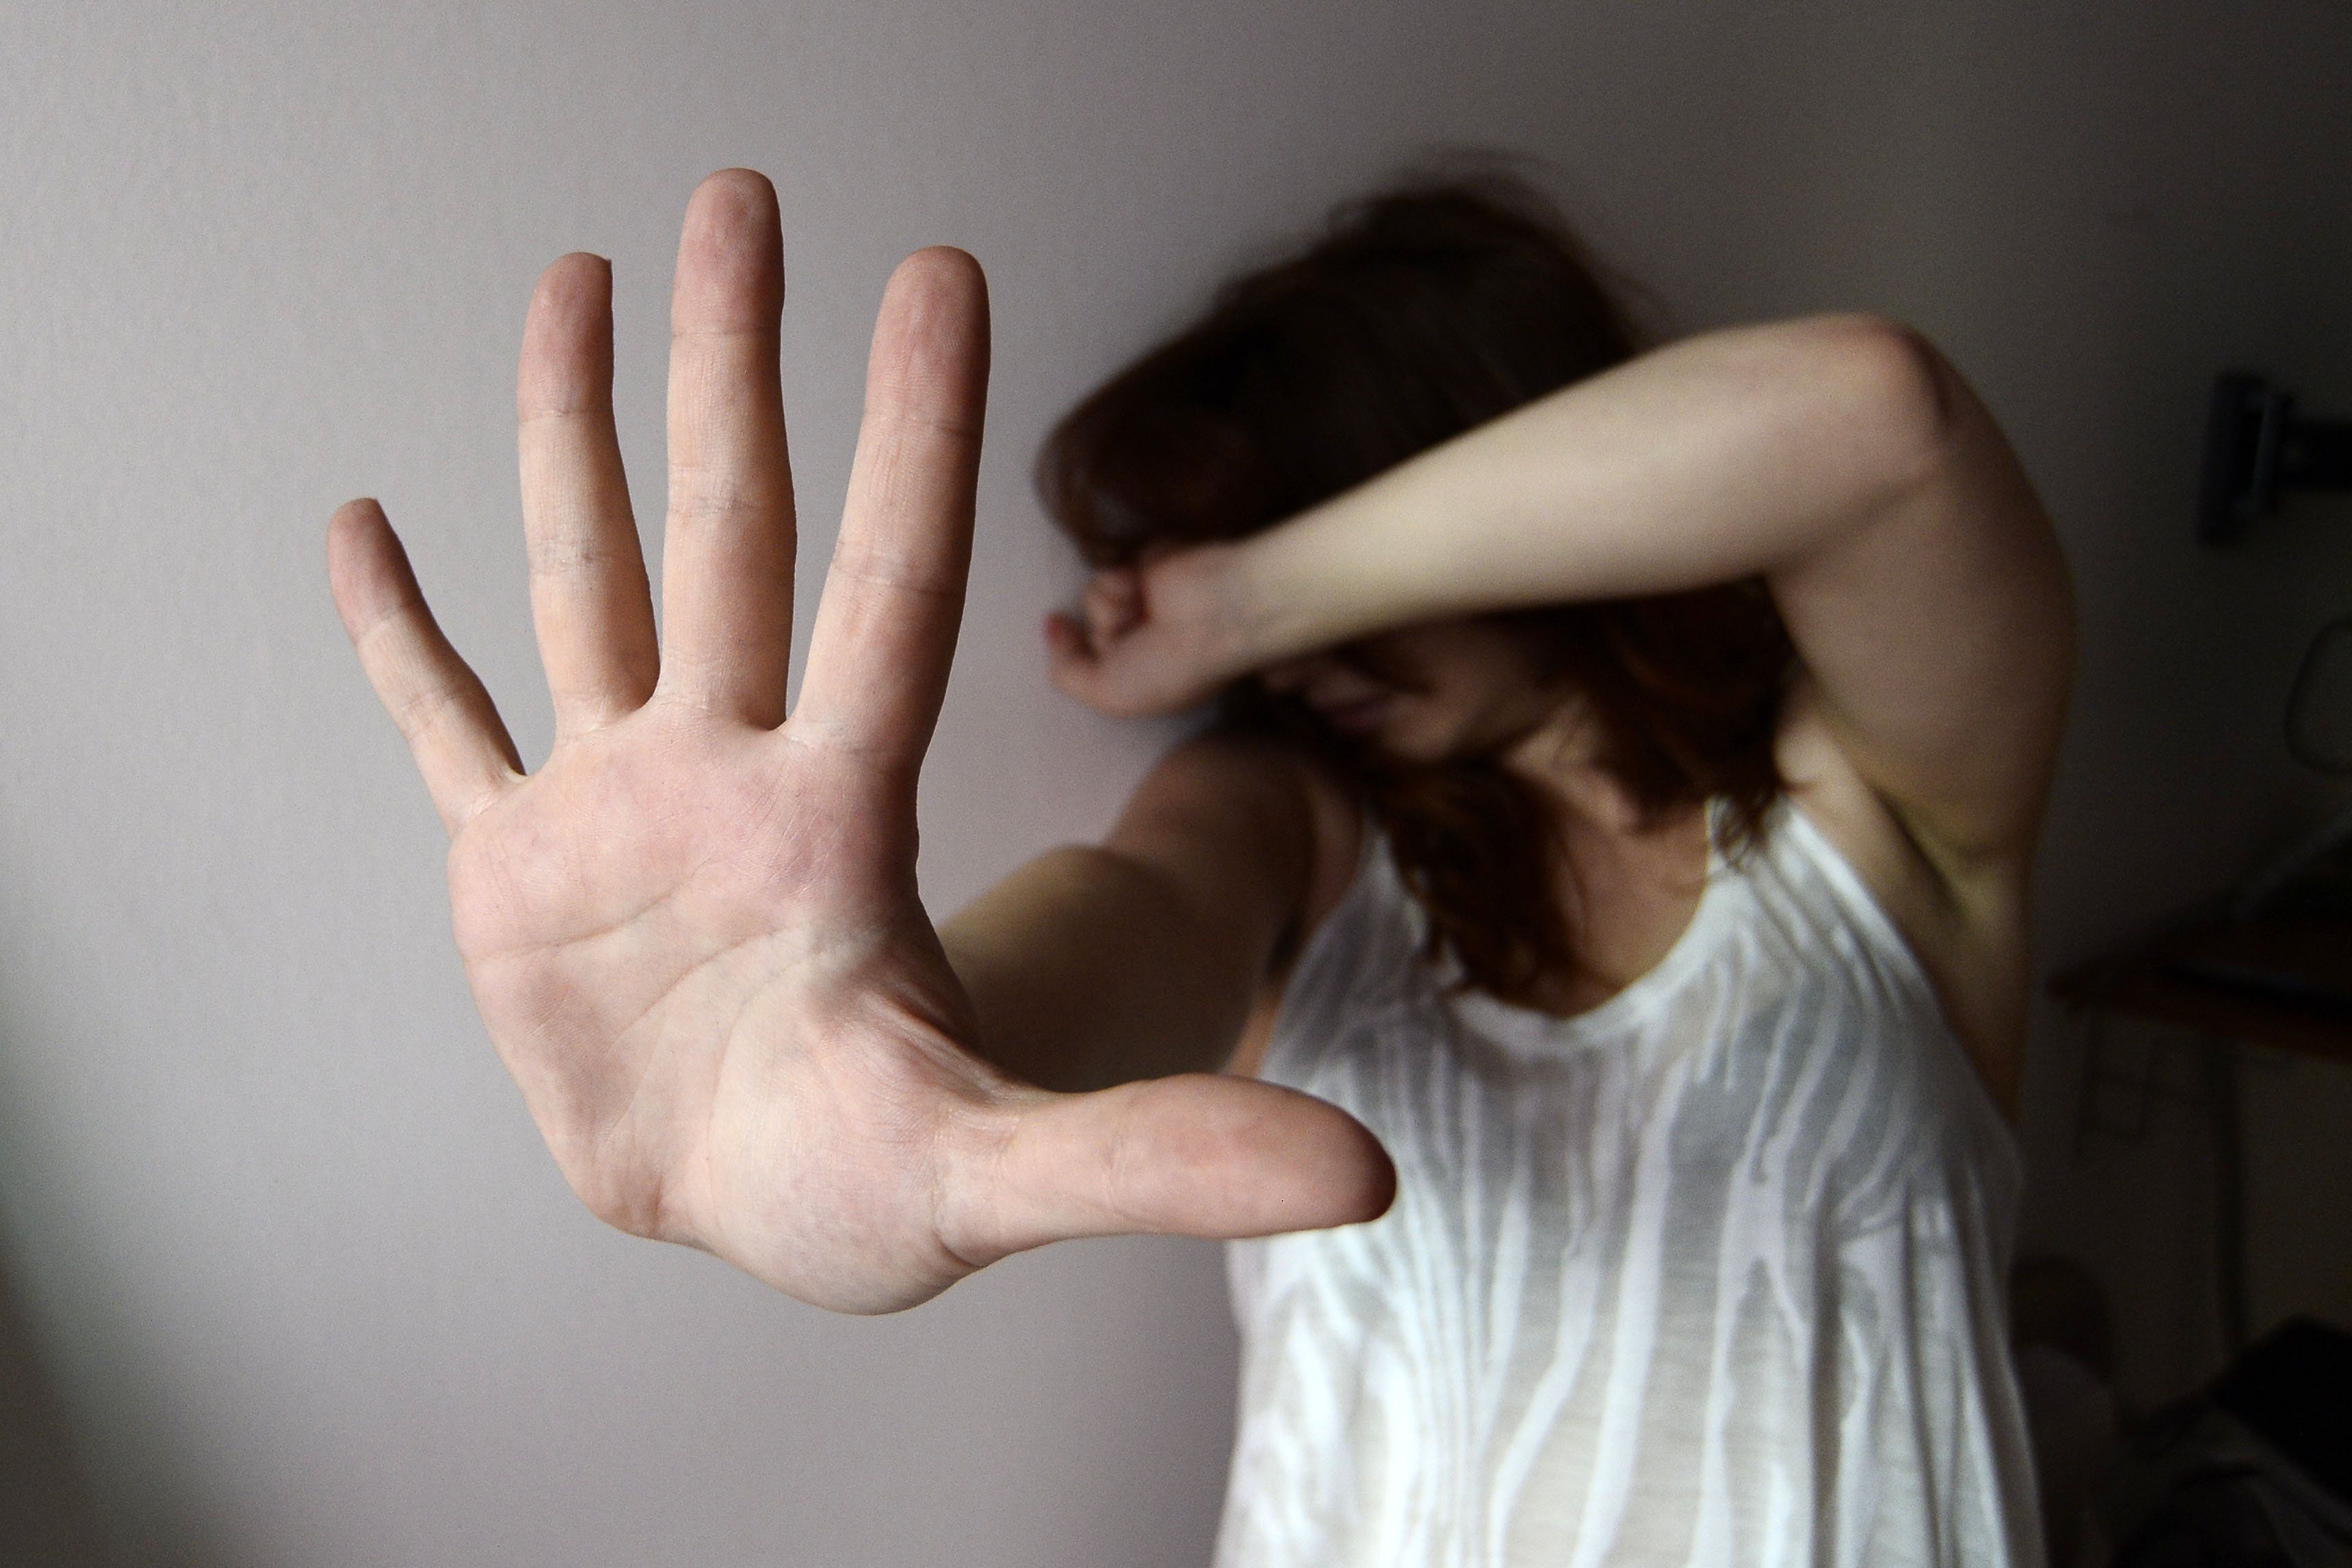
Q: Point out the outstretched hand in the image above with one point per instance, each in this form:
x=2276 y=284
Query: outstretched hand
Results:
x=694 y=934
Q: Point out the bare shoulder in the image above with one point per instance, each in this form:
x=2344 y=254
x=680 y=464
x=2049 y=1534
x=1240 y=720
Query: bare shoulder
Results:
x=1966 y=923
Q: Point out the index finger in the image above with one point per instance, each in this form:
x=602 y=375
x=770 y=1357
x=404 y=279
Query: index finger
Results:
x=885 y=629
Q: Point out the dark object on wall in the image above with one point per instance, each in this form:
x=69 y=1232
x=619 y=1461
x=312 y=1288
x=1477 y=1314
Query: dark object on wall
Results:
x=2319 y=705
x=2256 y=447
x=2255 y=1472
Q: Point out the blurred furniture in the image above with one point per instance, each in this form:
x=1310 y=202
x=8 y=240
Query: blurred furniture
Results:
x=2281 y=979
x=2253 y=1472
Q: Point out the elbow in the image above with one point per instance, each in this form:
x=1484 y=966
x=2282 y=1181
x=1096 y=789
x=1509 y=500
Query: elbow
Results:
x=1902 y=400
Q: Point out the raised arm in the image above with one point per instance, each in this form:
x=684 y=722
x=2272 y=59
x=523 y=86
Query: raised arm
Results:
x=1838 y=457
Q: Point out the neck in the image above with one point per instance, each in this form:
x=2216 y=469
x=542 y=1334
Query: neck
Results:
x=1627 y=884
x=1561 y=755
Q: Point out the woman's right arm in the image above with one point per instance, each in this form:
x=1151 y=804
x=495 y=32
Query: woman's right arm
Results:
x=1141 y=957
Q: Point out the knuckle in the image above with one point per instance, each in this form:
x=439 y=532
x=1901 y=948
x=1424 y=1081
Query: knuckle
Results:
x=878 y=568
x=568 y=550
x=713 y=494
x=424 y=710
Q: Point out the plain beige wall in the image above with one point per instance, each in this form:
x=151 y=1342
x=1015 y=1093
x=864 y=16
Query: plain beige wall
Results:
x=301 y=1277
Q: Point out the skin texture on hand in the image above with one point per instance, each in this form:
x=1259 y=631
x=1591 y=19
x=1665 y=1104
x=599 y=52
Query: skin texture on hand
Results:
x=694 y=934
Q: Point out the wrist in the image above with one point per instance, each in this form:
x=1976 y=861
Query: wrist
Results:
x=1280 y=595
x=1234 y=610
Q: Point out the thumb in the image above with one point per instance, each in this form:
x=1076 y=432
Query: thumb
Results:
x=1070 y=663
x=1200 y=1155
x=1112 y=605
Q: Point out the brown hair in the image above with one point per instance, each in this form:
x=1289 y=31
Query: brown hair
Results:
x=1418 y=314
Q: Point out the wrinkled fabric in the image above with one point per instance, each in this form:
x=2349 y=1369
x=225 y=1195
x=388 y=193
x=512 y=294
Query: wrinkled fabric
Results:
x=1709 y=1275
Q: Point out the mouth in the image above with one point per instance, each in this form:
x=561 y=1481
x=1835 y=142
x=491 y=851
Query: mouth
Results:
x=1361 y=716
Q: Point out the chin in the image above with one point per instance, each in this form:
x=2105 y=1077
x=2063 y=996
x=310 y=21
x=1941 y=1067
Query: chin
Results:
x=1409 y=746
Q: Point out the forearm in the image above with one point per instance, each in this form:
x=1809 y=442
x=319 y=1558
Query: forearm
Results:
x=1086 y=968
x=1725 y=456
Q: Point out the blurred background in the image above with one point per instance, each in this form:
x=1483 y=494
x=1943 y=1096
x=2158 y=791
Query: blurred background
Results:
x=289 y=1277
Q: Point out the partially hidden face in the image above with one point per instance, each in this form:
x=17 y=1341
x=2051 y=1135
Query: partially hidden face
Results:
x=1426 y=693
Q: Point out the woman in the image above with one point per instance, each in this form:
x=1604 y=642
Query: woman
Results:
x=1654 y=938
x=1640 y=961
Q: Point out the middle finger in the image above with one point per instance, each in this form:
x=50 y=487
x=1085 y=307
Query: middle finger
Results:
x=727 y=575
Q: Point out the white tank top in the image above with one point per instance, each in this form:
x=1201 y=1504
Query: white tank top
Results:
x=1712 y=1273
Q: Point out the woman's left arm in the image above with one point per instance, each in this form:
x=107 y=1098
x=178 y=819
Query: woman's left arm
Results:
x=1841 y=458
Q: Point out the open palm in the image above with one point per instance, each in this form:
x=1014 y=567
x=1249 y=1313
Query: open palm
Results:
x=694 y=934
